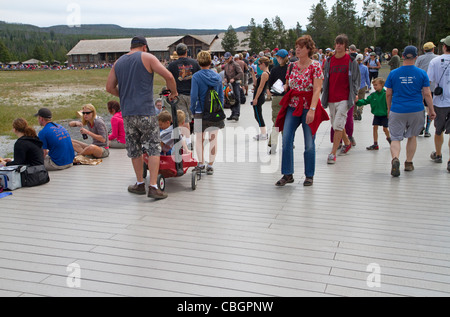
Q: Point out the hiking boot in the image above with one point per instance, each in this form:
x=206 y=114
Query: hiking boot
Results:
x=137 y=189
x=409 y=166
x=156 y=193
x=436 y=158
x=373 y=147
x=331 y=159
x=395 y=170
x=345 y=149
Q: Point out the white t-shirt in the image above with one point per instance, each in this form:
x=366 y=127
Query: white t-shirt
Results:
x=436 y=74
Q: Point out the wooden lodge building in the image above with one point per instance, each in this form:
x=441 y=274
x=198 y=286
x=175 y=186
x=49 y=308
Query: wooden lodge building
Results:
x=96 y=52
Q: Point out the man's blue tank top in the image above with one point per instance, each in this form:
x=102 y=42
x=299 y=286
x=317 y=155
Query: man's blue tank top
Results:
x=135 y=86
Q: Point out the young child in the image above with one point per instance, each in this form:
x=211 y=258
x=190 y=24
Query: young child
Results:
x=166 y=131
x=377 y=101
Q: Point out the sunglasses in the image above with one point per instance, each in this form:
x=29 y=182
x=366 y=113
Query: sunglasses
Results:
x=85 y=113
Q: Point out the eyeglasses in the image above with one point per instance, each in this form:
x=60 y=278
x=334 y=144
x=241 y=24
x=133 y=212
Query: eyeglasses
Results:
x=85 y=113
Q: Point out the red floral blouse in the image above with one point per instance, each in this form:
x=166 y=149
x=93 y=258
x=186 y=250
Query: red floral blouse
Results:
x=303 y=80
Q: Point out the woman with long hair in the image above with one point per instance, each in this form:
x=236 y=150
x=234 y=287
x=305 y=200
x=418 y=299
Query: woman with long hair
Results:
x=28 y=147
x=96 y=129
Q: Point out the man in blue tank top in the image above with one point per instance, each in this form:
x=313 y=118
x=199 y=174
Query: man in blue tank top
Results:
x=131 y=79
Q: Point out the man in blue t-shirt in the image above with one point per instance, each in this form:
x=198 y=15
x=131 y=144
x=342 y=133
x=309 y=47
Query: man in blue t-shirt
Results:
x=57 y=144
x=407 y=86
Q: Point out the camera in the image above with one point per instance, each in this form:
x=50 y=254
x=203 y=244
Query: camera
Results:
x=438 y=91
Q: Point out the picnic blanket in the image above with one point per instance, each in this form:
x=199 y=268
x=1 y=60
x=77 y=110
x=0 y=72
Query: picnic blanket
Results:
x=84 y=160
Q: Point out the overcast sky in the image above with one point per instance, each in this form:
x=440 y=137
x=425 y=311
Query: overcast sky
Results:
x=190 y=14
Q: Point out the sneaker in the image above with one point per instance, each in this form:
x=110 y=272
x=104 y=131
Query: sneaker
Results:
x=427 y=134
x=352 y=140
x=373 y=147
x=409 y=166
x=260 y=137
x=200 y=169
x=137 y=189
x=230 y=118
x=436 y=158
x=395 y=171
x=345 y=149
x=331 y=159
x=235 y=118
x=421 y=132
x=209 y=170
x=156 y=193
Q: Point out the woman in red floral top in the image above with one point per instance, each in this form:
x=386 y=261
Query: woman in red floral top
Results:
x=301 y=106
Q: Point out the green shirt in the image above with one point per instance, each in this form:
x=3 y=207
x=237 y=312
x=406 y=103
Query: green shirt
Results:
x=377 y=102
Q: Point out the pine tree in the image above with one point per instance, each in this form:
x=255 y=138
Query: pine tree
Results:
x=230 y=41
x=5 y=55
x=318 y=26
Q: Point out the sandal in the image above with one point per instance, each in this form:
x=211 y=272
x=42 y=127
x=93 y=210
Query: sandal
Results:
x=286 y=179
x=308 y=181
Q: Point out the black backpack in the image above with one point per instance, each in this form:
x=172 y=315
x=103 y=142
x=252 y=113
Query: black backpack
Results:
x=213 y=108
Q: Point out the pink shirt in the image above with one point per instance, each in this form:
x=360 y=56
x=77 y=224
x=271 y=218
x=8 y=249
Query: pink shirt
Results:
x=118 y=131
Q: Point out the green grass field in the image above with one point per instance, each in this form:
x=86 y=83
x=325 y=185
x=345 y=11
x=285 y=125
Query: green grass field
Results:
x=22 y=93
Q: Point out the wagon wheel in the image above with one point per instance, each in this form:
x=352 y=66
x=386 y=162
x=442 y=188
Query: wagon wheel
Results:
x=144 y=172
x=194 y=180
x=161 y=182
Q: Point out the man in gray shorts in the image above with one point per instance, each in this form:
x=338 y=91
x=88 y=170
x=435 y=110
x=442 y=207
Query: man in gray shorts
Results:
x=405 y=87
x=129 y=74
x=439 y=73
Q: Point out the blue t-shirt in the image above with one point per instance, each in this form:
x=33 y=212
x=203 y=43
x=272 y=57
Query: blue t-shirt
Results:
x=406 y=83
x=56 y=139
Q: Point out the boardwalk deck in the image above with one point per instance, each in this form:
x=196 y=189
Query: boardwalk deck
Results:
x=237 y=234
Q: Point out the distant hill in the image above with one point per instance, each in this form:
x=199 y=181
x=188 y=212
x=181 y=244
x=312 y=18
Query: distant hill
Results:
x=110 y=30
x=25 y=41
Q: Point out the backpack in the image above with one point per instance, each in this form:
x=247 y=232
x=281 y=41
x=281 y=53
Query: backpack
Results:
x=213 y=109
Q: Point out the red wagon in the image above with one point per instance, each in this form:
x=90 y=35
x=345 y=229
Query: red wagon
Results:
x=177 y=164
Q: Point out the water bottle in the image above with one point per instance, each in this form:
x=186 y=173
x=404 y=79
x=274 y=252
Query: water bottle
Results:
x=85 y=136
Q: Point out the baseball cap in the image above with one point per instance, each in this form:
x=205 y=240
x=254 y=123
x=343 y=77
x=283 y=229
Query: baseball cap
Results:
x=410 y=52
x=227 y=55
x=140 y=40
x=44 y=113
x=428 y=46
x=446 y=41
x=359 y=57
x=282 y=53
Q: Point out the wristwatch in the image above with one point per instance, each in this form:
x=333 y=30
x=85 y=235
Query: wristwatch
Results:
x=313 y=109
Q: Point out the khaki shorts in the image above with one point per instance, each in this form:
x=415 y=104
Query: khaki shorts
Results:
x=184 y=103
x=51 y=166
x=338 y=114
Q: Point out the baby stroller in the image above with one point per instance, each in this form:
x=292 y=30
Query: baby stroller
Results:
x=178 y=163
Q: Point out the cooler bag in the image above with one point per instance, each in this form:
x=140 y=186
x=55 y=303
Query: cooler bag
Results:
x=10 y=177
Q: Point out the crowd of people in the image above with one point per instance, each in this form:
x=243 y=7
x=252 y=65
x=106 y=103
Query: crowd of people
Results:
x=301 y=84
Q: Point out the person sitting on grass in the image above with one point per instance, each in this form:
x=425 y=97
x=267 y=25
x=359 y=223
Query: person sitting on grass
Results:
x=96 y=129
x=378 y=104
x=167 y=135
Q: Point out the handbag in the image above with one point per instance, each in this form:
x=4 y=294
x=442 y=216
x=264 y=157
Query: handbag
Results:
x=34 y=176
